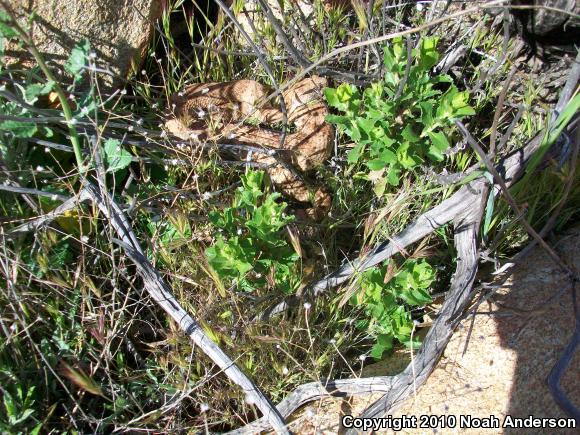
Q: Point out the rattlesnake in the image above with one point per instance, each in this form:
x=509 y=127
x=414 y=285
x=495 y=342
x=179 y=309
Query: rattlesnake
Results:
x=215 y=111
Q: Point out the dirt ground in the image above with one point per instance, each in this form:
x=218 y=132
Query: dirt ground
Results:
x=517 y=337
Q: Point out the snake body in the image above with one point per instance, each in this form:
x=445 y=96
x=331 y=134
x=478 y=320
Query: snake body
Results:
x=234 y=112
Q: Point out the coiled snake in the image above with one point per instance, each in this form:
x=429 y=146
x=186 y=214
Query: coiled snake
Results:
x=233 y=112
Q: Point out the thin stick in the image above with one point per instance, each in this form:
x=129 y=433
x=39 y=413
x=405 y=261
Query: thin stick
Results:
x=162 y=295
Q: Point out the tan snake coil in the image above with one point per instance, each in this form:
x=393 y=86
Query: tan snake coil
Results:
x=216 y=111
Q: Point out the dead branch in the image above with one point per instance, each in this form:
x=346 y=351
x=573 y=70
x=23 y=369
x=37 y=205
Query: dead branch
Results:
x=162 y=295
x=397 y=388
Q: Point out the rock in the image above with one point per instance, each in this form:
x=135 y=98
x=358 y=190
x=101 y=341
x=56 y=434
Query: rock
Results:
x=541 y=21
x=118 y=30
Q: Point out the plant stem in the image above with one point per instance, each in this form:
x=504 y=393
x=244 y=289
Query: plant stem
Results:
x=66 y=109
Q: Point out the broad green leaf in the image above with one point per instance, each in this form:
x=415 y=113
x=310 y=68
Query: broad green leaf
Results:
x=354 y=154
x=337 y=119
x=376 y=164
x=19 y=129
x=428 y=52
x=384 y=343
x=394 y=175
x=439 y=144
x=78 y=59
x=33 y=91
x=380 y=186
x=6 y=29
x=332 y=98
x=116 y=157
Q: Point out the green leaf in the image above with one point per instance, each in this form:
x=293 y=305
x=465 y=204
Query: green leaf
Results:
x=116 y=157
x=332 y=98
x=354 y=154
x=6 y=29
x=337 y=119
x=380 y=187
x=384 y=343
x=394 y=175
x=19 y=129
x=426 y=115
x=428 y=52
x=33 y=91
x=439 y=143
x=78 y=59
x=376 y=164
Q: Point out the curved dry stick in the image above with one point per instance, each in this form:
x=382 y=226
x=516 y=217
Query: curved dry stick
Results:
x=465 y=208
x=161 y=294
x=42 y=220
x=510 y=168
x=398 y=387
x=466 y=235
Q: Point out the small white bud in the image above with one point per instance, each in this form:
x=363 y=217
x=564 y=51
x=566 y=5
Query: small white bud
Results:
x=143 y=72
x=204 y=407
x=307 y=305
x=250 y=400
x=39 y=168
x=123 y=91
x=205 y=90
x=46 y=149
x=206 y=195
x=285 y=371
x=85 y=239
x=362 y=357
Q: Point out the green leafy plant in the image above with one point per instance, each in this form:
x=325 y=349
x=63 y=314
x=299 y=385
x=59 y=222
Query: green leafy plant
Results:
x=251 y=251
x=387 y=302
x=18 y=409
x=403 y=120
